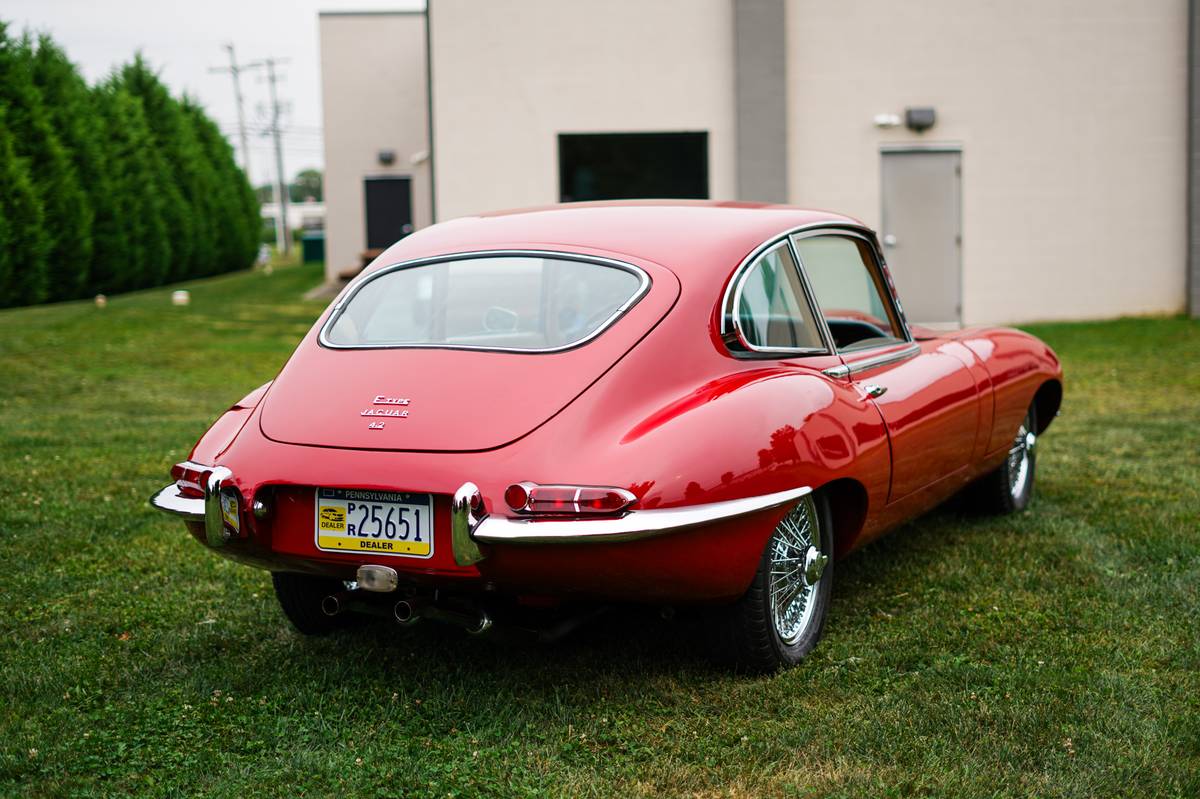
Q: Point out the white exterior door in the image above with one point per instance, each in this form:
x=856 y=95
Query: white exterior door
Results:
x=922 y=232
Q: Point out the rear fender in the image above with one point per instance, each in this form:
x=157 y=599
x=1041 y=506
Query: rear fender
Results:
x=224 y=430
x=760 y=432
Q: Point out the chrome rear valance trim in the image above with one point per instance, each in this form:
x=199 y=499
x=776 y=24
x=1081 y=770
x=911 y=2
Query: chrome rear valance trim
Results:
x=630 y=527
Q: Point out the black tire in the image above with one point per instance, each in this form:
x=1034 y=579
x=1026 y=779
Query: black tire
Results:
x=300 y=598
x=750 y=636
x=1009 y=488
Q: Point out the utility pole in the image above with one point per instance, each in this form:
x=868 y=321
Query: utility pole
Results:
x=236 y=71
x=281 y=226
x=283 y=237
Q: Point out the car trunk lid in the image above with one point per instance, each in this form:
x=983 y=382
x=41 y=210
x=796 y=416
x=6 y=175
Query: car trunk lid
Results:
x=442 y=399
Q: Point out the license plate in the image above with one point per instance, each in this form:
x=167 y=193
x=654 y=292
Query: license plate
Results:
x=374 y=522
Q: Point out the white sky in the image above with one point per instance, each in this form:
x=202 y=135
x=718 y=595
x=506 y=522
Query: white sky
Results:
x=182 y=39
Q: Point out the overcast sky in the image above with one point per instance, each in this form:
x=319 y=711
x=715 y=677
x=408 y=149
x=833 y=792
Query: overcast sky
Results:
x=183 y=39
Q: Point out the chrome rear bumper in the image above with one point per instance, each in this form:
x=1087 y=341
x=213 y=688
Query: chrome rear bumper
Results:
x=169 y=500
x=632 y=526
x=468 y=529
x=195 y=509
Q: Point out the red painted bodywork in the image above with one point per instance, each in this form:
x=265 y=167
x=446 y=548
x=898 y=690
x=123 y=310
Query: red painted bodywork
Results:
x=657 y=404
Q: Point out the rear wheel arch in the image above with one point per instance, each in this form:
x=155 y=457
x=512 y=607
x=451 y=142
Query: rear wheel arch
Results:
x=1046 y=403
x=847 y=502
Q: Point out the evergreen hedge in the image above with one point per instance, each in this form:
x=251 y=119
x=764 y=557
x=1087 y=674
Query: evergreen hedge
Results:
x=111 y=187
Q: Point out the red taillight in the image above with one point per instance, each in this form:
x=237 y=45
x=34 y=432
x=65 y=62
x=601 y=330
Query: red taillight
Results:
x=189 y=478
x=516 y=496
x=567 y=500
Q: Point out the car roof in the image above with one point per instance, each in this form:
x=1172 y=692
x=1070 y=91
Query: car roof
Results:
x=694 y=238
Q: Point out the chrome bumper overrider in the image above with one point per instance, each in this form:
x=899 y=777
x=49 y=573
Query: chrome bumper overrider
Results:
x=194 y=509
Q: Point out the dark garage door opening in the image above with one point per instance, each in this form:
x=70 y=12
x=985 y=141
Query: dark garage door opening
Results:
x=627 y=166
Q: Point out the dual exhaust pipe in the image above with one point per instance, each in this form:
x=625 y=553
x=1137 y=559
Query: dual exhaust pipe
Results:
x=407 y=612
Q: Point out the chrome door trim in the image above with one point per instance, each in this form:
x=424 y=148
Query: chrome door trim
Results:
x=883 y=359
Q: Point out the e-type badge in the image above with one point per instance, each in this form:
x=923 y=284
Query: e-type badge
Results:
x=392 y=412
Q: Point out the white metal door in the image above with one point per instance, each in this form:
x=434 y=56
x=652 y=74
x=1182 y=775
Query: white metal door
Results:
x=922 y=232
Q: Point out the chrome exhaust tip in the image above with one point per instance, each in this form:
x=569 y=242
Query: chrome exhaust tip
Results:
x=405 y=613
x=482 y=624
x=332 y=605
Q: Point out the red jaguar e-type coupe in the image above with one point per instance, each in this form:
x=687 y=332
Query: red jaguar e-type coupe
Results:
x=677 y=403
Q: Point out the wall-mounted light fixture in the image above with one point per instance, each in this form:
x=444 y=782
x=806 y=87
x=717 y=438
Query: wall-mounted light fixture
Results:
x=886 y=120
x=919 y=119
x=386 y=157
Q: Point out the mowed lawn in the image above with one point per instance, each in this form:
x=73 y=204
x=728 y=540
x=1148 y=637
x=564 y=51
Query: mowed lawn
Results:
x=1053 y=653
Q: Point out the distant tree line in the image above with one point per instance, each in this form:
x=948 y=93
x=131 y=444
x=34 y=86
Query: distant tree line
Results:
x=111 y=187
x=306 y=186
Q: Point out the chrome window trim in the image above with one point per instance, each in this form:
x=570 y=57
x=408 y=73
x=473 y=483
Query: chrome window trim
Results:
x=736 y=301
x=889 y=297
x=811 y=297
x=883 y=359
x=633 y=526
x=731 y=331
x=357 y=284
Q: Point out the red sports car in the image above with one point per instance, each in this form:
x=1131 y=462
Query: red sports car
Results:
x=673 y=403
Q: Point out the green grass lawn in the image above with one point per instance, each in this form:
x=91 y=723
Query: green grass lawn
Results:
x=1053 y=653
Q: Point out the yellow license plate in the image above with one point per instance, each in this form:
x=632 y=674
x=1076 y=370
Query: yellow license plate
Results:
x=374 y=522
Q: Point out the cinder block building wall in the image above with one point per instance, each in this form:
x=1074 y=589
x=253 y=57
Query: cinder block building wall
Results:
x=375 y=101
x=1071 y=118
x=1052 y=185
x=510 y=75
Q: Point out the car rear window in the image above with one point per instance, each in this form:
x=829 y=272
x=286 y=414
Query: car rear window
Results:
x=527 y=303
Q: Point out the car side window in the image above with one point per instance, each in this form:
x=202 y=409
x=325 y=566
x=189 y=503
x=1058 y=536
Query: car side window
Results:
x=772 y=312
x=849 y=291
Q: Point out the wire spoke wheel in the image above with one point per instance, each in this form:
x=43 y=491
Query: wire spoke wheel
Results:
x=780 y=618
x=796 y=564
x=1020 y=457
x=1009 y=487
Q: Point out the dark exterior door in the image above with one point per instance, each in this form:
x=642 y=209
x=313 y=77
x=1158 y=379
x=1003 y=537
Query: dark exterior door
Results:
x=389 y=210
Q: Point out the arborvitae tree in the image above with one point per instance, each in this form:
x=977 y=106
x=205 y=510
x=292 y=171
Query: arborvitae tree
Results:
x=23 y=240
x=135 y=189
x=148 y=179
x=237 y=210
x=68 y=217
x=81 y=129
x=169 y=160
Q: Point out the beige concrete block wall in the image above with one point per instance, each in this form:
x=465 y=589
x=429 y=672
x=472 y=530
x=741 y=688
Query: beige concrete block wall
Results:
x=373 y=91
x=510 y=75
x=1071 y=115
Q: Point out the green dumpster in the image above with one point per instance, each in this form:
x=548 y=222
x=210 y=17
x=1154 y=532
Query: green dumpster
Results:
x=312 y=245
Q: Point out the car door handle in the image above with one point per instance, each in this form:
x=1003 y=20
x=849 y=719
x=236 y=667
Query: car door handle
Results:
x=873 y=391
